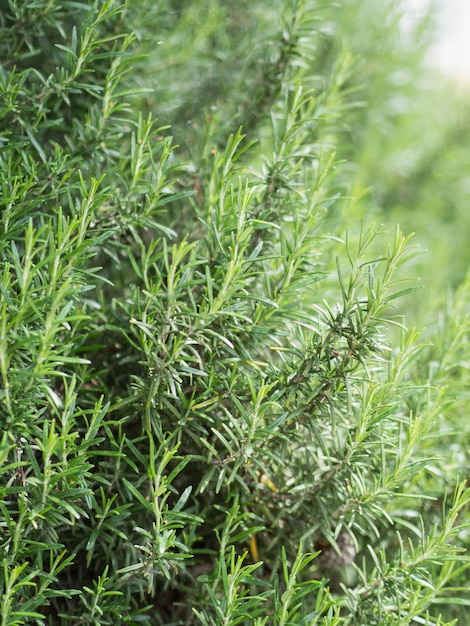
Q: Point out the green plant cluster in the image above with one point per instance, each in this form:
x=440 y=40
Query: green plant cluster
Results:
x=212 y=412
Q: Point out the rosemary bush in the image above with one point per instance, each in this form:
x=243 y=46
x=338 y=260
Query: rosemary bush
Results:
x=212 y=410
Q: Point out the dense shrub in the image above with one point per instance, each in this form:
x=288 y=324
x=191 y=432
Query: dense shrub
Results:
x=212 y=412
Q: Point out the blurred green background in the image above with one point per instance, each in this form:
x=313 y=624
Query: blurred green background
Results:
x=405 y=136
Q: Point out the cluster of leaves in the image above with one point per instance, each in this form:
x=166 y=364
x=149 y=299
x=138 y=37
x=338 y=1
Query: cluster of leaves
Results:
x=203 y=423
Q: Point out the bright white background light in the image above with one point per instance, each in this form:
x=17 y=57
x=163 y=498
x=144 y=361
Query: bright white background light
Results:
x=450 y=52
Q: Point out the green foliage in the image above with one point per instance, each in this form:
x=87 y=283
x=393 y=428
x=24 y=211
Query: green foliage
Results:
x=212 y=412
